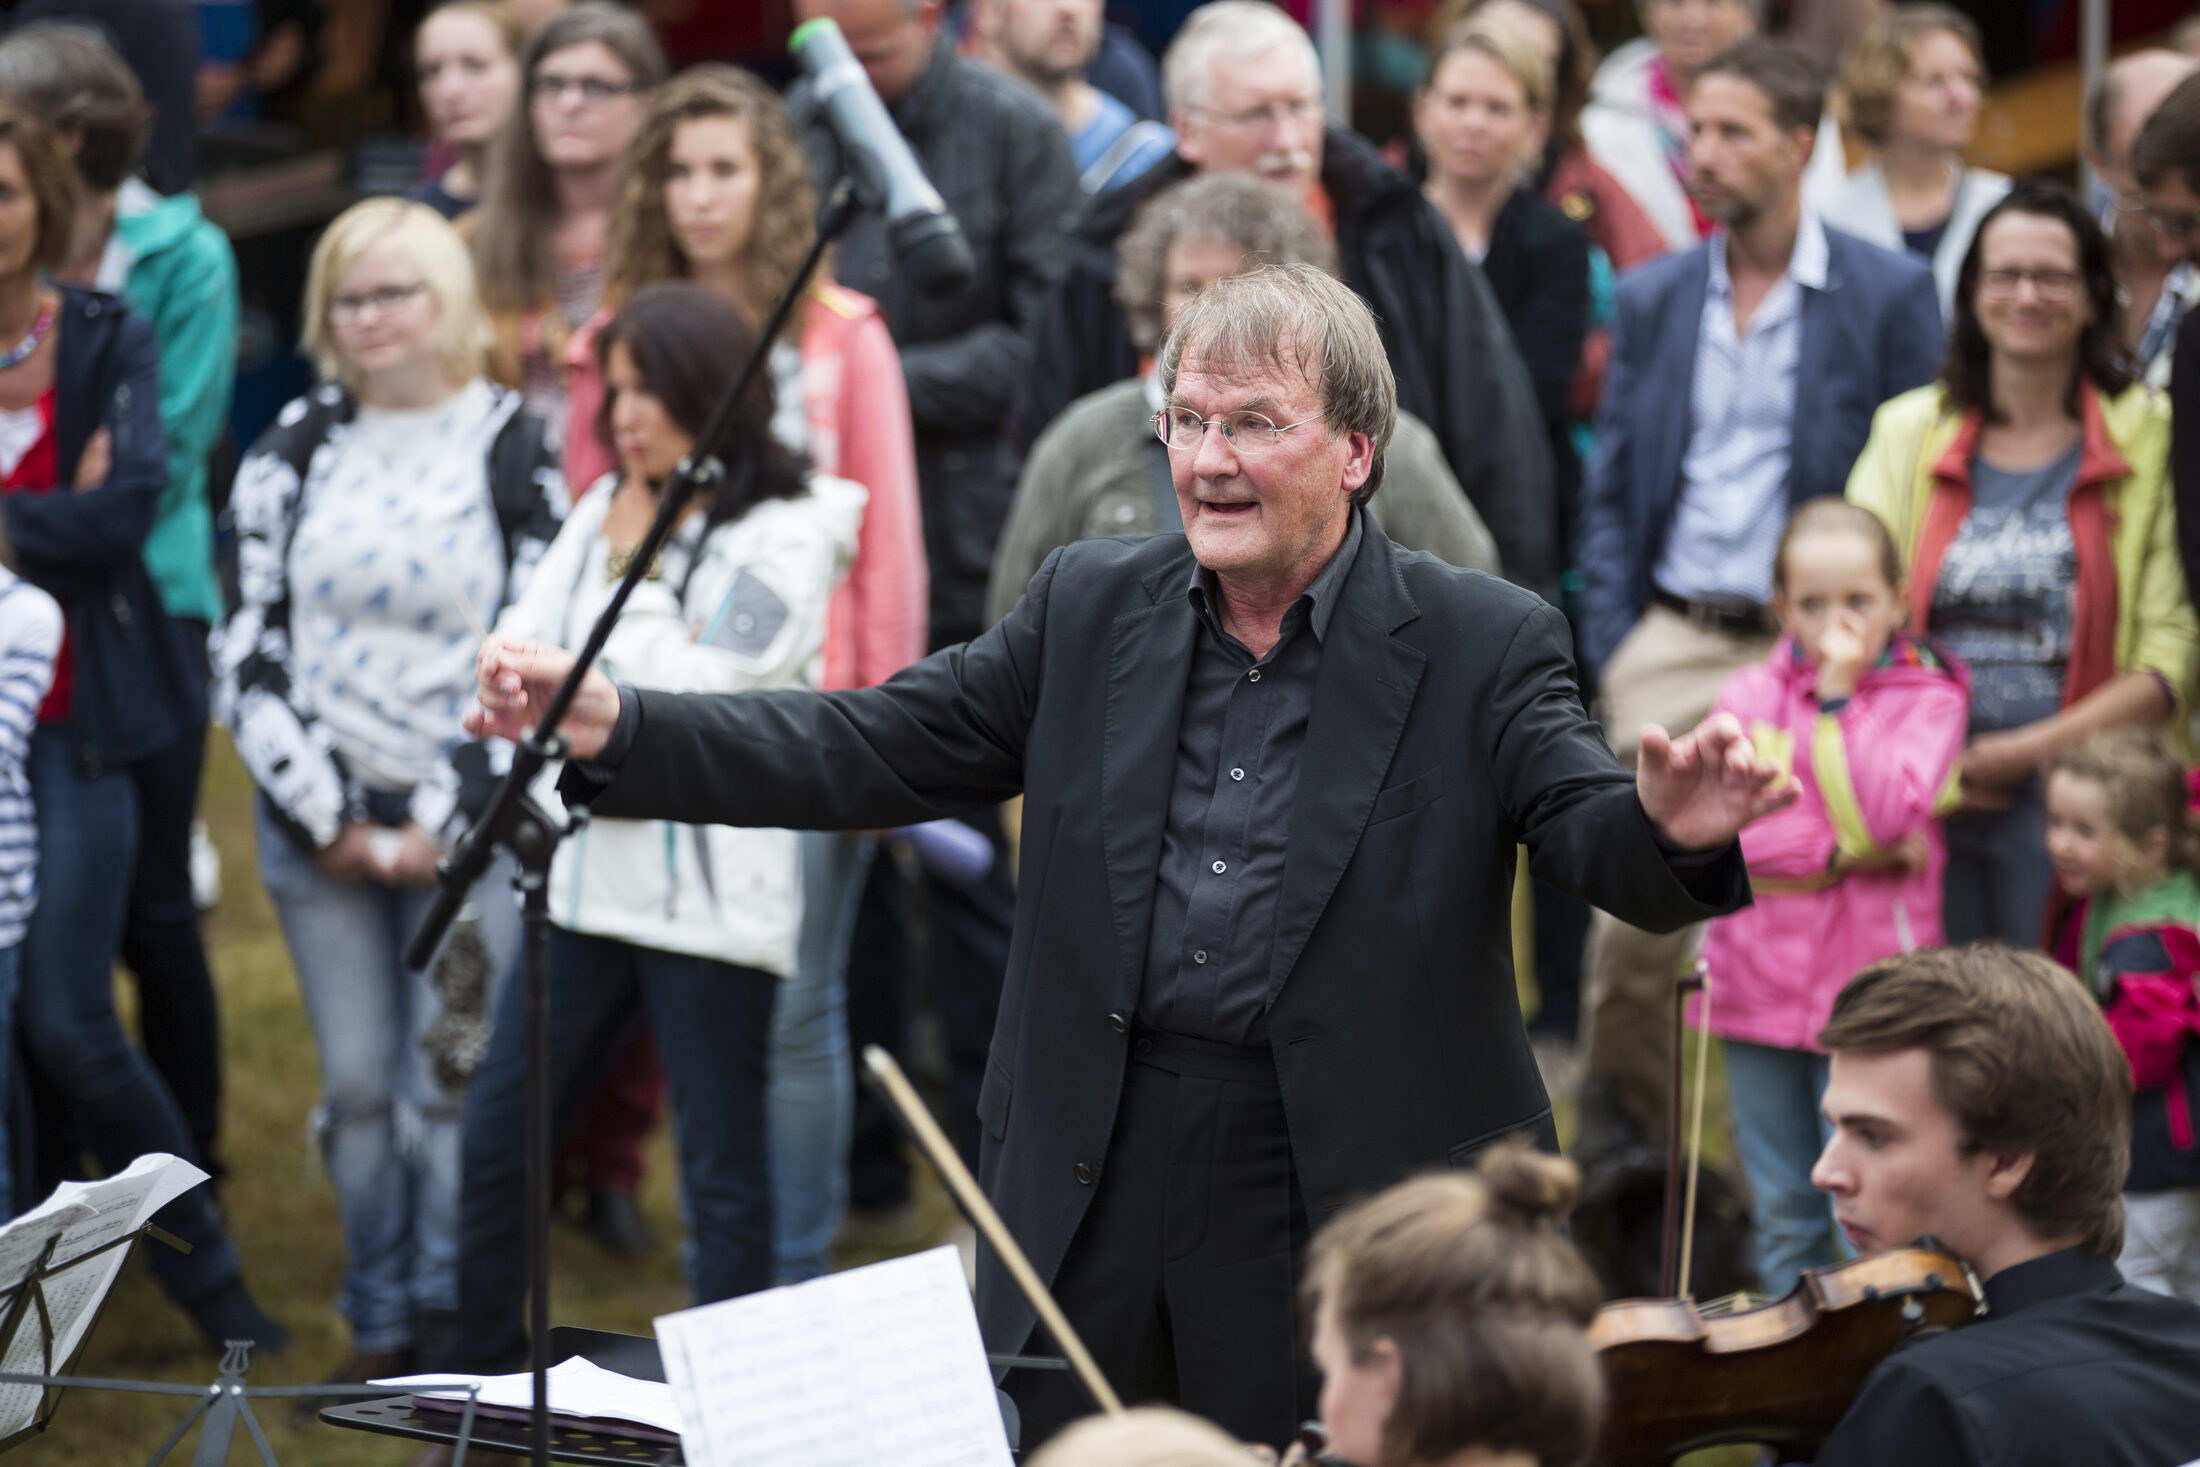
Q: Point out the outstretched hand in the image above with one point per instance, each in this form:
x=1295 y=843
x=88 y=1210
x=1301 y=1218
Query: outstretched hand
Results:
x=514 y=681
x=1702 y=788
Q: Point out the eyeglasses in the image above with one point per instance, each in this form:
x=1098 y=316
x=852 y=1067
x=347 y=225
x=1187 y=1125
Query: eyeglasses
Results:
x=2176 y=226
x=1245 y=432
x=382 y=300
x=594 y=90
x=2052 y=285
x=1265 y=118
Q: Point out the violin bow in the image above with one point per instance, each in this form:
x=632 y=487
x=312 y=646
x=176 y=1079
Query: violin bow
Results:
x=917 y=1116
x=1695 y=1126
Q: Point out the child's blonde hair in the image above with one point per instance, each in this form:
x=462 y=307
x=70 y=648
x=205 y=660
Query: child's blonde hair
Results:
x=2143 y=784
x=1828 y=515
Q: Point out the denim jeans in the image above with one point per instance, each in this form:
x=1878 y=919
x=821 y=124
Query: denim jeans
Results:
x=387 y=1131
x=1779 y=1131
x=811 y=1101
x=713 y=1024
x=87 y=843
x=1999 y=881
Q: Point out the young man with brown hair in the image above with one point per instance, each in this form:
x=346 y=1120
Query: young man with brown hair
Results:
x=1977 y=1097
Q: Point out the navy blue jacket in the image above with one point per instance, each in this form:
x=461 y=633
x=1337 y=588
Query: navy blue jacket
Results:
x=135 y=691
x=1874 y=331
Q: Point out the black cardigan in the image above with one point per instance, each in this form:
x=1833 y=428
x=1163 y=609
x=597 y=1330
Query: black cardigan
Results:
x=1538 y=268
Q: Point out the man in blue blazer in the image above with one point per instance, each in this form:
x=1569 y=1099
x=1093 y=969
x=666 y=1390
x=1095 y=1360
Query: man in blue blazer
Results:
x=1743 y=379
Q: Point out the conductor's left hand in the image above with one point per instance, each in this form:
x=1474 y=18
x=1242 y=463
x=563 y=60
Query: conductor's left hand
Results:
x=514 y=680
x=1701 y=789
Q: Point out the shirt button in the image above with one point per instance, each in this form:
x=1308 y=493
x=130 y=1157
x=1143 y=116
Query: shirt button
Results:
x=1253 y=676
x=1200 y=956
x=1118 y=1023
x=1237 y=774
x=1084 y=1174
x=1220 y=867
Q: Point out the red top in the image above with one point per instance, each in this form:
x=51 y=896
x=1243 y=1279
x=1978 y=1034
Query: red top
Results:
x=38 y=471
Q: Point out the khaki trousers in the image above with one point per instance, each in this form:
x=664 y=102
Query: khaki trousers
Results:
x=1668 y=671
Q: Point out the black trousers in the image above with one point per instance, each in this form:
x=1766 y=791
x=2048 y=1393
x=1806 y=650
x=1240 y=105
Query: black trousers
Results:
x=1183 y=1278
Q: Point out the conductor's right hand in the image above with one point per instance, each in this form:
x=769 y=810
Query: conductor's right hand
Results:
x=515 y=679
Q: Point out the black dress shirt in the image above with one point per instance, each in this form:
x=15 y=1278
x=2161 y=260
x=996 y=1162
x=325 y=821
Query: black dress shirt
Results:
x=2070 y=1365
x=1237 y=774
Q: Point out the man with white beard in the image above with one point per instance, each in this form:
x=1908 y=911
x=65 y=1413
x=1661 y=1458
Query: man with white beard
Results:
x=1244 y=93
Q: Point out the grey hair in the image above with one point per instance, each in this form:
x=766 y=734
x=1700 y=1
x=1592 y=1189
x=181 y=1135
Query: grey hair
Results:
x=1298 y=319
x=1236 y=29
x=1262 y=220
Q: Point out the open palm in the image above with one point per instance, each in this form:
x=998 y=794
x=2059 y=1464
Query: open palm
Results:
x=1702 y=788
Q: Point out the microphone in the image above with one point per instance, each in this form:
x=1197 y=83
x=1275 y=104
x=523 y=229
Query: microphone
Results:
x=924 y=235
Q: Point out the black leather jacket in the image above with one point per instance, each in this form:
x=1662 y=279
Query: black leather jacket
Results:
x=998 y=155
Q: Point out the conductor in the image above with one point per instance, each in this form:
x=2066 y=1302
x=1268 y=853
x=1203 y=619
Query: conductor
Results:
x=1274 y=771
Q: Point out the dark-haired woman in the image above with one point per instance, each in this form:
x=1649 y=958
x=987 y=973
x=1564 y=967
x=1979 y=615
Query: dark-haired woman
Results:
x=1449 y=1322
x=2028 y=489
x=687 y=928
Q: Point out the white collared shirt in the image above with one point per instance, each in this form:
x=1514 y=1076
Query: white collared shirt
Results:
x=1734 y=473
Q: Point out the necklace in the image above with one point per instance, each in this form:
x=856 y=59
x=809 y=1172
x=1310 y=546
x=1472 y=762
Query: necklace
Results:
x=30 y=343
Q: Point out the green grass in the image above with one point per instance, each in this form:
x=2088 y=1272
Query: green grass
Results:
x=282 y=1213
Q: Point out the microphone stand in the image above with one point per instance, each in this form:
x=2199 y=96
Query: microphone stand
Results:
x=516 y=822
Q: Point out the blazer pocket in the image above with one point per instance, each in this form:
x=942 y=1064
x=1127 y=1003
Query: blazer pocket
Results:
x=993 y=1098
x=1409 y=796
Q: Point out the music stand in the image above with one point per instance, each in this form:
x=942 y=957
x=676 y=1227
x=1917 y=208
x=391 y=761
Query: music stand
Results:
x=27 y=1297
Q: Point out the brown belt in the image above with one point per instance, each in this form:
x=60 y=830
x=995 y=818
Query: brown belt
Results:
x=1735 y=618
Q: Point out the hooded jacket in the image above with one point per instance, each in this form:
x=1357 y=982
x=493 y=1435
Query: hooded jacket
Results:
x=738 y=606
x=1871 y=774
x=1449 y=347
x=176 y=270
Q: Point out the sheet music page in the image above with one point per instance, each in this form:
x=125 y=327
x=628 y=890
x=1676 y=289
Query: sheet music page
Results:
x=86 y=1214
x=876 y=1364
x=577 y=1388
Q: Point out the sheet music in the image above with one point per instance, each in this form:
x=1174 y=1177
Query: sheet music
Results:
x=576 y=1387
x=85 y=1215
x=876 y=1364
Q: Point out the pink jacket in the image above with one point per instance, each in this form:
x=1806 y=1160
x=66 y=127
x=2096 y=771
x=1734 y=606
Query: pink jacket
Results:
x=1871 y=774
x=858 y=411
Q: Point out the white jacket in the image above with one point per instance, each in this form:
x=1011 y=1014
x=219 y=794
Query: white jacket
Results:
x=1862 y=206
x=1622 y=135
x=744 y=608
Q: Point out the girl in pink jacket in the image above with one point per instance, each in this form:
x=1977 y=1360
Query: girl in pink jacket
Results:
x=1870 y=721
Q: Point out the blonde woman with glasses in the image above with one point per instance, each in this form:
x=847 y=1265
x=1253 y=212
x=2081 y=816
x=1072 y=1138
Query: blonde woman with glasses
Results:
x=385 y=519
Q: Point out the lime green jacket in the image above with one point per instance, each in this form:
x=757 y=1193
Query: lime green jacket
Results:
x=175 y=268
x=2155 y=628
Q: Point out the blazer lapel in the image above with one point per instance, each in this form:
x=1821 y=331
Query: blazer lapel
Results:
x=1149 y=660
x=1362 y=695
x=1673 y=382
x=1819 y=333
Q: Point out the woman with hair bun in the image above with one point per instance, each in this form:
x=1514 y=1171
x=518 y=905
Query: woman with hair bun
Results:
x=1449 y=1321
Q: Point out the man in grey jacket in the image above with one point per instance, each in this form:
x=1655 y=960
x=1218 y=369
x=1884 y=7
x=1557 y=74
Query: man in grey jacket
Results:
x=1100 y=469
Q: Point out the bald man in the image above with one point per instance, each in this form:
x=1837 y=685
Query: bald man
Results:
x=2157 y=284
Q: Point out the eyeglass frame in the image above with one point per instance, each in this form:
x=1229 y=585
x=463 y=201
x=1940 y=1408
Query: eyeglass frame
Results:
x=595 y=91
x=384 y=299
x=2068 y=284
x=1160 y=421
x=2182 y=226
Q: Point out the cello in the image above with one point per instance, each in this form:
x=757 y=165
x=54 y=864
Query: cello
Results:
x=1681 y=1376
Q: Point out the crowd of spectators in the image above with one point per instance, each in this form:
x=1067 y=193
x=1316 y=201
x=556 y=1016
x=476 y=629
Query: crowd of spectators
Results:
x=1650 y=330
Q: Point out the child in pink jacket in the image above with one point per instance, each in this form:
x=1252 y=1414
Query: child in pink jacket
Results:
x=1870 y=721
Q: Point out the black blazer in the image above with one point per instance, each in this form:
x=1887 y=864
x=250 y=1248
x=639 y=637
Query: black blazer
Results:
x=1446 y=728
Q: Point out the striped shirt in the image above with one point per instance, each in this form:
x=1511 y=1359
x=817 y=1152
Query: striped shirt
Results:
x=30 y=635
